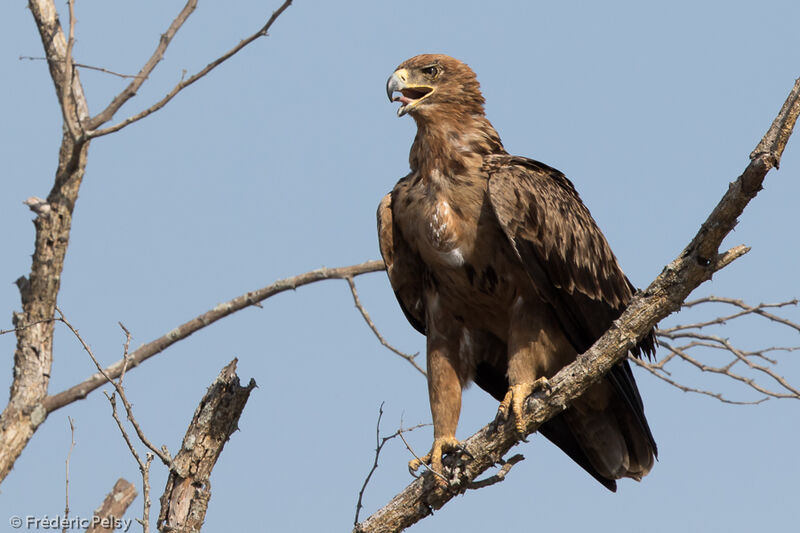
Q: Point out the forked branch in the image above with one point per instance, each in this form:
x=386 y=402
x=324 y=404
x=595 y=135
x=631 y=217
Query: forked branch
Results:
x=753 y=368
x=106 y=115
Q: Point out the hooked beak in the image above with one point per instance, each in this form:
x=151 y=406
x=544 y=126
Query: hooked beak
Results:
x=410 y=95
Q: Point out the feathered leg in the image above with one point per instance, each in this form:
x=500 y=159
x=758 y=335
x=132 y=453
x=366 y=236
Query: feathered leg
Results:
x=444 y=390
x=537 y=348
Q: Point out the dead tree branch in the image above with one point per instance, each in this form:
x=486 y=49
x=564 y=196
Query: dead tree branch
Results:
x=33 y=326
x=692 y=339
x=106 y=115
x=81 y=65
x=253 y=298
x=185 y=499
x=696 y=264
x=746 y=309
x=106 y=517
x=144 y=466
x=33 y=355
x=162 y=453
x=90 y=67
x=130 y=91
x=66 y=468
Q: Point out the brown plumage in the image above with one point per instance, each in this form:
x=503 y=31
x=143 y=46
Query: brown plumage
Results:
x=498 y=262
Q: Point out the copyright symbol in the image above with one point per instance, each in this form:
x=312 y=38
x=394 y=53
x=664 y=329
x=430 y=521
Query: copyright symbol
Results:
x=15 y=521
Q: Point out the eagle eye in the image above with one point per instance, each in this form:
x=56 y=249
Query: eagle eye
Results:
x=431 y=70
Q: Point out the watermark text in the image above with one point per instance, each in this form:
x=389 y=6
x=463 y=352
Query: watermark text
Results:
x=59 y=522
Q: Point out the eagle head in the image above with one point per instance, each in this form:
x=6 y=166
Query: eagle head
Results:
x=431 y=84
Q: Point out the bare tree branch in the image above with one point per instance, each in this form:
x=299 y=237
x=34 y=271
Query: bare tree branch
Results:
x=130 y=91
x=185 y=499
x=108 y=113
x=24 y=326
x=66 y=474
x=33 y=326
x=696 y=264
x=685 y=388
x=33 y=355
x=697 y=340
x=81 y=65
x=746 y=309
x=222 y=310
x=106 y=517
x=162 y=453
x=408 y=357
x=144 y=466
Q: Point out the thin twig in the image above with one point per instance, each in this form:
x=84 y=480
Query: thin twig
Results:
x=699 y=339
x=66 y=483
x=379 y=444
x=144 y=466
x=408 y=357
x=162 y=453
x=107 y=71
x=685 y=388
x=746 y=310
x=726 y=370
x=89 y=67
x=420 y=461
x=107 y=114
x=125 y=348
x=81 y=390
x=20 y=328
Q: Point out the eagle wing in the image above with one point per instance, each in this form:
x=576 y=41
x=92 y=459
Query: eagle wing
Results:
x=569 y=262
x=404 y=267
x=564 y=252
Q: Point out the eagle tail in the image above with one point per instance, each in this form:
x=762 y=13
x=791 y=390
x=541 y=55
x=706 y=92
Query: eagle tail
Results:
x=557 y=431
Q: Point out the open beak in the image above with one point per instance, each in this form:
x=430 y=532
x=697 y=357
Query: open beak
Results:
x=410 y=95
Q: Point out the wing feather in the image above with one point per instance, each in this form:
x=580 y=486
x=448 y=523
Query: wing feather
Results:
x=403 y=266
x=566 y=255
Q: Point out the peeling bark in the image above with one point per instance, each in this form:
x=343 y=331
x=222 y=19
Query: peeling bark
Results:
x=185 y=499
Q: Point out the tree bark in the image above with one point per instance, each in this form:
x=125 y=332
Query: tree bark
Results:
x=33 y=356
x=185 y=499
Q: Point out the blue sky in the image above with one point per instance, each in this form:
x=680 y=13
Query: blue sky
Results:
x=274 y=165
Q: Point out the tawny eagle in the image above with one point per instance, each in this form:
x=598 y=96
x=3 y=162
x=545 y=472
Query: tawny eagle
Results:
x=497 y=261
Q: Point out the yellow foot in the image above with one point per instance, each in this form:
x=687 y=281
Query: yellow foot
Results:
x=515 y=399
x=441 y=446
